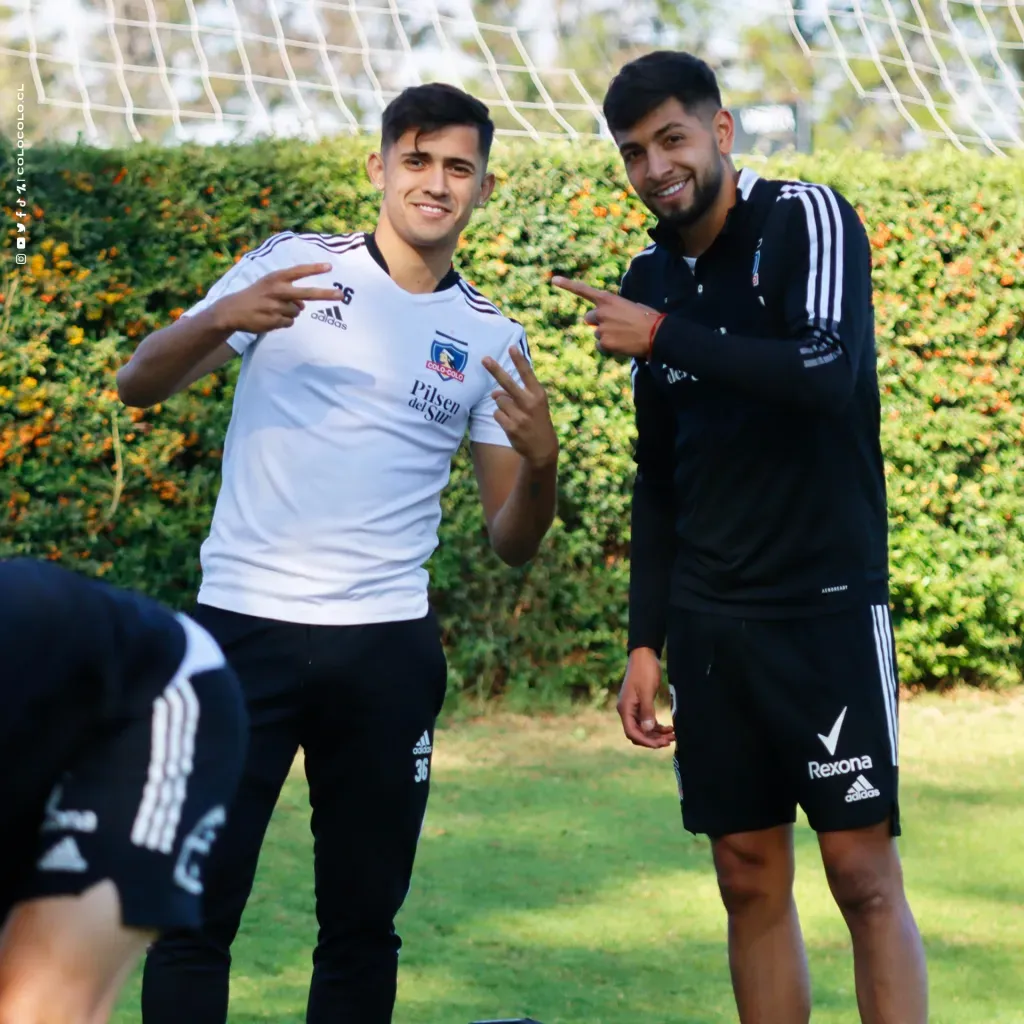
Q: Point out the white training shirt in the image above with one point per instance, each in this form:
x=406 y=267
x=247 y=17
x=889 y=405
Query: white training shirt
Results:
x=342 y=435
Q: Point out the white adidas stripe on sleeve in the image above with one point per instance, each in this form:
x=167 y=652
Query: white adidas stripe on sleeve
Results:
x=826 y=240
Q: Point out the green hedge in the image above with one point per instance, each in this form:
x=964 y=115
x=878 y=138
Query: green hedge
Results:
x=120 y=241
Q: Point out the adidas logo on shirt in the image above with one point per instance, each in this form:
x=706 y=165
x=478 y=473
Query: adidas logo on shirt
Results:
x=423 y=745
x=65 y=856
x=331 y=316
x=861 y=790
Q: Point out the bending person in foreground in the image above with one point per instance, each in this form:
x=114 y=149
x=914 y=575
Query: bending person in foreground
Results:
x=121 y=743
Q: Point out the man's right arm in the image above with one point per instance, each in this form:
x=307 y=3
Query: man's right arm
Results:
x=240 y=307
x=652 y=554
x=171 y=359
x=652 y=547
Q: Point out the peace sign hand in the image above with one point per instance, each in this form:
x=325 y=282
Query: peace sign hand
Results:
x=623 y=328
x=274 y=301
x=523 y=410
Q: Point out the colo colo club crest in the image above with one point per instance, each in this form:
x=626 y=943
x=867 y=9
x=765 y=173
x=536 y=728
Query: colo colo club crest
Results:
x=448 y=357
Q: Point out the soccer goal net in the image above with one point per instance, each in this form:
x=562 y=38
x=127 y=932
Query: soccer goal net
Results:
x=902 y=71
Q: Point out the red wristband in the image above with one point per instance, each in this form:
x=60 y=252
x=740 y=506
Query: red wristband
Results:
x=654 y=330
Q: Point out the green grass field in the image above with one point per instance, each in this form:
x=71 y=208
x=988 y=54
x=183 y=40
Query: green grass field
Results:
x=554 y=879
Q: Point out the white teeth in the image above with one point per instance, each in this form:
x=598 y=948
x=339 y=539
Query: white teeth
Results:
x=672 y=190
x=431 y=209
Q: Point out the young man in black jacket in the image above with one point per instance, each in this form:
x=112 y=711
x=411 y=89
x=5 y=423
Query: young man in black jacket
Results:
x=759 y=553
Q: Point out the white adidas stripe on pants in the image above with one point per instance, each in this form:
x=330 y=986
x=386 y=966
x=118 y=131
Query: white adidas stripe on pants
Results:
x=175 y=723
x=887 y=674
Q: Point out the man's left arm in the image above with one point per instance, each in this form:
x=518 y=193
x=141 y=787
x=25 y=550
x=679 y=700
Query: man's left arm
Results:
x=827 y=308
x=517 y=473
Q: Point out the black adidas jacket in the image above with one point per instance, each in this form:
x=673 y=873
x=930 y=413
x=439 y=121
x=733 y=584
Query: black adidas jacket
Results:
x=760 y=486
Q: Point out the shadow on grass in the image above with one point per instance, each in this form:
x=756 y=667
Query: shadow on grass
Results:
x=963 y=800
x=976 y=982
x=978 y=827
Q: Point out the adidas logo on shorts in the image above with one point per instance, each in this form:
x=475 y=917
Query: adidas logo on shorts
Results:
x=65 y=856
x=423 y=745
x=861 y=790
x=331 y=316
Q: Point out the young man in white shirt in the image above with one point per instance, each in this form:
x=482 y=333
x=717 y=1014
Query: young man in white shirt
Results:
x=356 y=389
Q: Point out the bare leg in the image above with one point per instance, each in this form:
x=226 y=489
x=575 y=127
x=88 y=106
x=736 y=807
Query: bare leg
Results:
x=864 y=874
x=766 y=951
x=64 y=959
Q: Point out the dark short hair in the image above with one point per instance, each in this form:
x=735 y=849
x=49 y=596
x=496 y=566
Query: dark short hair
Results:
x=429 y=108
x=644 y=84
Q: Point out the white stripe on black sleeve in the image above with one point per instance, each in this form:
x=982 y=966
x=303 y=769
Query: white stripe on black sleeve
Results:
x=813 y=257
x=824 y=294
x=837 y=295
x=826 y=269
x=825 y=241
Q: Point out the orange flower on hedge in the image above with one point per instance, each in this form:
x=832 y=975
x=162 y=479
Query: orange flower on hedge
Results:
x=119 y=177
x=1006 y=280
x=881 y=236
x=600 y=211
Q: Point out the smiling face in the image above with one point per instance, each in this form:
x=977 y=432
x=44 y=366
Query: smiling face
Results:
x=676 y=160
x=432 y=182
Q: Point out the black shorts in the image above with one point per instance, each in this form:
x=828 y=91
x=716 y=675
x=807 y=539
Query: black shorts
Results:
x=142 y=798
x=771 y=714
